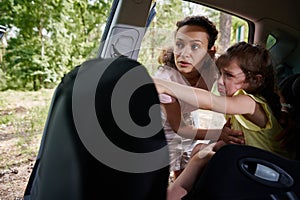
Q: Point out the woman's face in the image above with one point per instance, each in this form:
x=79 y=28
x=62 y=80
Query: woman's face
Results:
x=232 y=79
x=191 y=45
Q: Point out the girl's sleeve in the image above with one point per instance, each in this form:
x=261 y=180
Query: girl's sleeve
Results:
x=250 y=125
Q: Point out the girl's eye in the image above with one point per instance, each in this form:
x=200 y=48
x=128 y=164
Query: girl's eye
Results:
x=227 y=75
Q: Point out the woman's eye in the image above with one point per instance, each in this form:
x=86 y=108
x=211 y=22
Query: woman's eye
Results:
x=179 y=45
x=195 y=46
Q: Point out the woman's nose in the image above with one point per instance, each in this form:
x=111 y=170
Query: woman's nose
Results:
x=185 y=52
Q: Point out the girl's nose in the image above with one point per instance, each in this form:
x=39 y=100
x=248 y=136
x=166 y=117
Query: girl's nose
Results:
x=220 y=80
x=221 y=86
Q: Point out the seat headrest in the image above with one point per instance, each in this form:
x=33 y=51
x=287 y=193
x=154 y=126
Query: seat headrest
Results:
x=296 y=87
x=290 y=90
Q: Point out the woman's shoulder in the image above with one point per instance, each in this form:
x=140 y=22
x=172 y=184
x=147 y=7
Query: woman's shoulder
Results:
x=168 y=73
x=165 y=69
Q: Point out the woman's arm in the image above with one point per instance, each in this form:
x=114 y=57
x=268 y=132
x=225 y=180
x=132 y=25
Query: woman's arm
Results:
x=241 y=104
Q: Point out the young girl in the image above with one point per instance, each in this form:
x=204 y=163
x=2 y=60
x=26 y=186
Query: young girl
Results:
x=247 y=80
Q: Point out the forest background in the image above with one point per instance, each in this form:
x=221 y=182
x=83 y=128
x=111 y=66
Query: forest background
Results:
x=46 y=39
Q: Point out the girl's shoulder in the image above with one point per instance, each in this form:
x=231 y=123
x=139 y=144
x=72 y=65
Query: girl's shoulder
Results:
x=257 y=98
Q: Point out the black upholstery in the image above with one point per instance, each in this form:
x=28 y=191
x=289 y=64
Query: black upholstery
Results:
x=290 y=90
x=237 y=172
x=67 y=169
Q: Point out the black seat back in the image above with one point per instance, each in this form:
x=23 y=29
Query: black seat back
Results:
x=240 y=172
x=290 y=90
x=103 y=137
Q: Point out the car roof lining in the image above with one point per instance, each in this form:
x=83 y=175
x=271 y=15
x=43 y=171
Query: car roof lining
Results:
x=255 y=10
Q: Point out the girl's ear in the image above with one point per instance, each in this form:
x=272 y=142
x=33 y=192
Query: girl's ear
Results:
x=258 y=80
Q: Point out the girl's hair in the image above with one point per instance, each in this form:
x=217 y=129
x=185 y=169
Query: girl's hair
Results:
x=203 y=22
x=255 y=60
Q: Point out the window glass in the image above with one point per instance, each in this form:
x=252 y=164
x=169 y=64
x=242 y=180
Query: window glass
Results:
x=271 y=41
x=160 y=33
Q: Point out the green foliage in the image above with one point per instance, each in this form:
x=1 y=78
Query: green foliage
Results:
x=236 y=23
x=52 y=37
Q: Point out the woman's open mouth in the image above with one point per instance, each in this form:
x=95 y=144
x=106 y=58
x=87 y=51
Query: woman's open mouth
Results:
x=184 y=64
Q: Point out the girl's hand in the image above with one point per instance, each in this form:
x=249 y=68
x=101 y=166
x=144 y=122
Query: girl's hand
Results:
x=207 y=152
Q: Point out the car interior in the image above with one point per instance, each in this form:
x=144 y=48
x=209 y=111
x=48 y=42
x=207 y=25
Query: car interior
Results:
x=67 y=169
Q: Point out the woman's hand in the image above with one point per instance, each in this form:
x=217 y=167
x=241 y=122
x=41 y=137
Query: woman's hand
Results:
x=230 y=136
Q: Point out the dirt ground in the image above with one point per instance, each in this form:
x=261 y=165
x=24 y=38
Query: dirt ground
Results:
x=13 y=181
x=18 y=148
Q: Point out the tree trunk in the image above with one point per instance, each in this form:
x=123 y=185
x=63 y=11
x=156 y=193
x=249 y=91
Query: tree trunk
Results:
x=225 y=32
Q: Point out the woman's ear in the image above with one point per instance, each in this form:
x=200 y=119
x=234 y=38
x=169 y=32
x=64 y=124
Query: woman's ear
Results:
x=212 y=51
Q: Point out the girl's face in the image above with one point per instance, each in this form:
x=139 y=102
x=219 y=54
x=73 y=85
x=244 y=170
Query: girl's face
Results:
x=232 y=79
x=191 y=43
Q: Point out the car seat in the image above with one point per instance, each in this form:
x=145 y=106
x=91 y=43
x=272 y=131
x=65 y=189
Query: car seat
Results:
x=242 y=172
x=103 y=137
x=290 y=90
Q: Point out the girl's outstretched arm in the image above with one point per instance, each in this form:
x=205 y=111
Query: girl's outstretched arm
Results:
x=240 y=104
x=184 y=183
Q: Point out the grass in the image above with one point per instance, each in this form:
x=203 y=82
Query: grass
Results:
x=22 y=119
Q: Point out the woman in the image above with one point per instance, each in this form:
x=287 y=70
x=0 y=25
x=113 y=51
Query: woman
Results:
x=190 y=62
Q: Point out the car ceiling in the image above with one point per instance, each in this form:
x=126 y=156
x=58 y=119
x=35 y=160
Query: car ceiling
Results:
x=282 y=11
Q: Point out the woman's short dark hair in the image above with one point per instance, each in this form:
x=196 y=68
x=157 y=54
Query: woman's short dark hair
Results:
x=203 y=22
